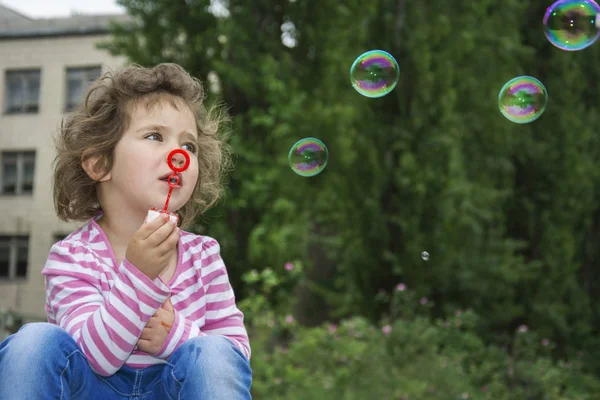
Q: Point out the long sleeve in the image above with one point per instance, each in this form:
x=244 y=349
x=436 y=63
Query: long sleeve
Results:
x=106 y=322
x=217 y=299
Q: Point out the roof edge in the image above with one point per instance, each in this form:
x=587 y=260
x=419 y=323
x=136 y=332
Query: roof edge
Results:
x=50 y=35
x=12 y=10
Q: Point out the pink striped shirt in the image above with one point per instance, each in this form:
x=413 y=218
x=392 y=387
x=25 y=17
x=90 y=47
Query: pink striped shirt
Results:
x=105 y=306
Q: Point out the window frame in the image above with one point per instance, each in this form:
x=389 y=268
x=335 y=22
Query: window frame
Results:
x=87 y=72
x=14 y=242
x=22 y=158
x=25 y=83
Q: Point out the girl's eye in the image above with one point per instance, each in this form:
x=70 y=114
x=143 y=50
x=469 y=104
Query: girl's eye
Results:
x=154 y=135
x=191 y=147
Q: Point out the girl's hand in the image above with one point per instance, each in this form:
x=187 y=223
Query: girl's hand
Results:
x=152 y=246
x=157 y=329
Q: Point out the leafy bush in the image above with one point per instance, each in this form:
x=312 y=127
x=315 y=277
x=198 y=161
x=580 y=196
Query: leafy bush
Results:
x=10 y=322
x=409 y=357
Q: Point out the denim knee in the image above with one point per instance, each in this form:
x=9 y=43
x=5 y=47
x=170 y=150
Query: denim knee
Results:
x=35 y=341
x=43 y=361
x=210 y=347
x=218 y=352
x=209 y=367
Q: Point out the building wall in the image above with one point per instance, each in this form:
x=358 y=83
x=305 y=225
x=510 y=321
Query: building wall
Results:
x=34 y=215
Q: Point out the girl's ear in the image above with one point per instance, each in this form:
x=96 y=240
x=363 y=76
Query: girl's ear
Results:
x=95 y=166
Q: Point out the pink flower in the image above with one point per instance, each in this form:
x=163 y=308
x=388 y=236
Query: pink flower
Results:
x=289 y=266
x=545 y=342
x=523 y=328
x=401 y=287
x=289 y=319
x=332 y=328
x=423 y=300
x=387 y=329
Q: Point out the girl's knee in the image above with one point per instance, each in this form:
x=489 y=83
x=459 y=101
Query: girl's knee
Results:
x=217 y=351
x=38 y=351
x=39 y=337
x=210 y=345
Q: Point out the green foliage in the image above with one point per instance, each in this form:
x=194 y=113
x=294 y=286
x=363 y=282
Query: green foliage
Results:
x=508 y=212
x=413 y=357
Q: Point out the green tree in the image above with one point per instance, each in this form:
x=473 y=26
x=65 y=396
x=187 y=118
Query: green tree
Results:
x=508 y=212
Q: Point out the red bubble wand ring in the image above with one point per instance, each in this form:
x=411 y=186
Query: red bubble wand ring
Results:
x=174 y=179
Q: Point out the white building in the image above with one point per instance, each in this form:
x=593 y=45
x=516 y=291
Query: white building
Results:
x=45 y=67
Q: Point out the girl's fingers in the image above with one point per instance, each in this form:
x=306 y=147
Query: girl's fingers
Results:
x=146 y=334
x=144 y=345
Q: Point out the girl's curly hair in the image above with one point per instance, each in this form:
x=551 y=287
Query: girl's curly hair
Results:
x=97 y=124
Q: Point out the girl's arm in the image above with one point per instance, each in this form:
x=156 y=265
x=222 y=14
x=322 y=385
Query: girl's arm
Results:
x=221 y=316
x=106 y=326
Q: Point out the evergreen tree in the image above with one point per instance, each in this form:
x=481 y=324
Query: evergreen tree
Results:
x=508 y=212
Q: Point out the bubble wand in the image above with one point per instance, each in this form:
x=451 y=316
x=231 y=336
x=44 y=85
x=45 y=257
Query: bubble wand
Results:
x=173 y=181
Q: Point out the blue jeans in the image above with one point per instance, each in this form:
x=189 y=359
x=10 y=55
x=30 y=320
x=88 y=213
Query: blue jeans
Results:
x=42 y=361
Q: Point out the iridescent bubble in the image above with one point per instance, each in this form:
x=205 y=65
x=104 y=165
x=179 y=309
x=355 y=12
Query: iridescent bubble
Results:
x=425 y=256
x=522 y=99
x=374 y=73
x=571 y=24
x=308 y=157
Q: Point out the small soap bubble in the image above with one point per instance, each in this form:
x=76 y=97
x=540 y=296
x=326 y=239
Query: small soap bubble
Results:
x=374 y=73
x=572 y=25
x=522 y=99
x=308 y=157
x=425 y=256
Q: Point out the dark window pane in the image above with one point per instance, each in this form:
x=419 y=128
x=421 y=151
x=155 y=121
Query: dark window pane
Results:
x=74 y=92
x=78 y=81
x=22 y=256
x=22 y=91
x=4 y=256
x=28 y=171
x=15 y=93
x=60 y=236
x=9 y=173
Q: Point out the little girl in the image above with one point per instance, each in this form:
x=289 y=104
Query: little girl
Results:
x=135 y=310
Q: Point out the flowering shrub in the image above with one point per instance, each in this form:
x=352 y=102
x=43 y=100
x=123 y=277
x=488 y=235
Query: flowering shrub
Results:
x=407 y=356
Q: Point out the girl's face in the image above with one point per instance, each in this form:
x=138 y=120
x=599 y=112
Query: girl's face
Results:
x=140 y=165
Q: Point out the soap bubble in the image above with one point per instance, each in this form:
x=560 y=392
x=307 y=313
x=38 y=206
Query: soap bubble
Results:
x=374 y=73
x=572 y=24
x=425 y=256
x=308 y=157
x=522 y=99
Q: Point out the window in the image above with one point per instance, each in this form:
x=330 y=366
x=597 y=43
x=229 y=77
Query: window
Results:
x=16 y=172
x=59 y=236
x=22 y=91
x=14 y=252
x=78 y=81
